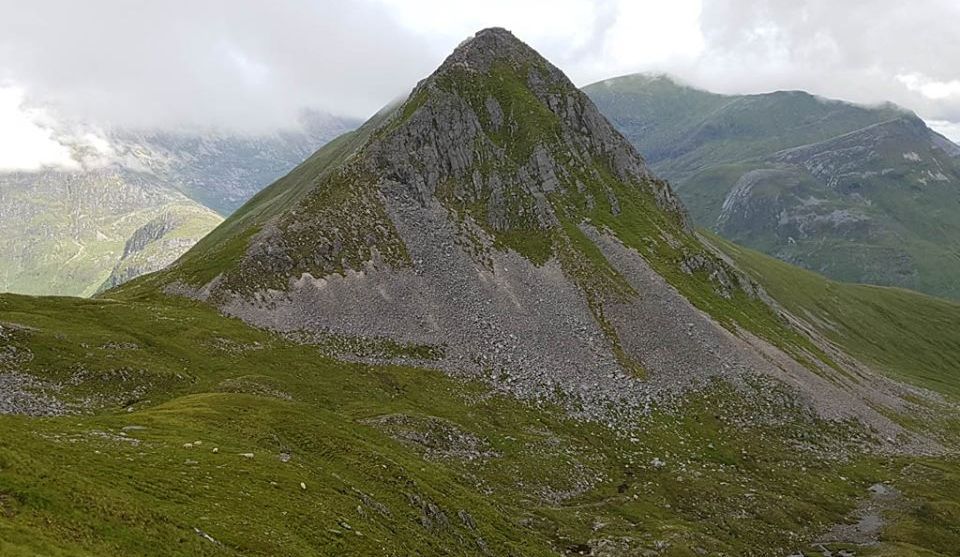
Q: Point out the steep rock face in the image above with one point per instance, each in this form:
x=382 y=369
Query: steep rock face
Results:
x=161 y=241
x=856 y=193
x=498 y=220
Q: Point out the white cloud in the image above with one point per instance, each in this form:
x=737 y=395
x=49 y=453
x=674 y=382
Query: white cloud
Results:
x=949 y=129
x=652 y=35
x=588 y=39
x=27 y=141
x=930 y=88
x=240 y=64
x=250 y=65
x=859 y=50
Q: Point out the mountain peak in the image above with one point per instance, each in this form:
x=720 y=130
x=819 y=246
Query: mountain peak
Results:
x=488 y=45
x=496 y=214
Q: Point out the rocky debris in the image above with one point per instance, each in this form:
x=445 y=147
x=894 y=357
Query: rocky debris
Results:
x=434 y=437
x=253 y=385
x=122 y=437
x=655 y=323
x=432 y=517
x=13 y=356
x=867 y=521
x=120 y=346
x=27 y=395
x=370 y=503
x=121 y=386
x=467 y=519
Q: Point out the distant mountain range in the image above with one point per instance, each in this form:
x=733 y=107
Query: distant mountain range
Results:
x=858 y=193
x=138 y=205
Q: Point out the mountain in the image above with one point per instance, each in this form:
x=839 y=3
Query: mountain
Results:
x=860 y=194
x=478 y=325
x=65 y=230
x=444 y=223
x=159 y=242
x=223 y=170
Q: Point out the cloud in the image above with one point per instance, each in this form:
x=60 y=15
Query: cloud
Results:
x=28 y=142
x=949 y=129
x=250 y=65
x=589 y=39
x=242 y=64
x=859 y=50
x=930 y=88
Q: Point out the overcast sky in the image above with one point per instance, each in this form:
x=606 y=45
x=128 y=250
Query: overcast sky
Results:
x=251 y=65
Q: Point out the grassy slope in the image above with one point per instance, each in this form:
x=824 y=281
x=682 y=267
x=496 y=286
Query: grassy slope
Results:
x=738 y=479
x=226 y=244
x=78 y=486
x=912 y=336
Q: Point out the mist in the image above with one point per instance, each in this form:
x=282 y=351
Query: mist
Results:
x=252 y=67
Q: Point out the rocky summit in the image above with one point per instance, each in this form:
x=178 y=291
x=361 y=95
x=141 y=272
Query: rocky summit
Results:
x=498 y=223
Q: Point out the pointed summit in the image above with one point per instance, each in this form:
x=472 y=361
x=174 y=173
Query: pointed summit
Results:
x=518 y=112
x=489 y=45
x=495 y=225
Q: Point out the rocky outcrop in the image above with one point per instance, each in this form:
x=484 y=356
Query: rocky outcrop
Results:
x=160 y=242
x=61 y=232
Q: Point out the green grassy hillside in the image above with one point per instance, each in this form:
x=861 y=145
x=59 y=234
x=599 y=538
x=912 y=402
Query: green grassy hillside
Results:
x=519 y=223
x=913 y=337
x=356 y=459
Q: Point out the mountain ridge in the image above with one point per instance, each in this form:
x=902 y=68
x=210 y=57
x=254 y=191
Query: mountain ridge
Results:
x=809 y=163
